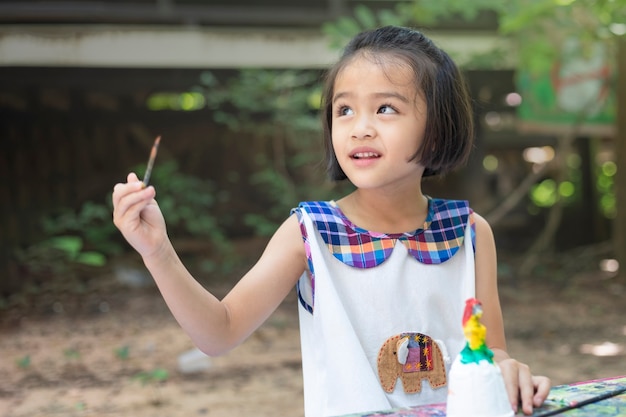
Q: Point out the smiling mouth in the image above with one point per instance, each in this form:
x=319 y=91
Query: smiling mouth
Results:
x=365 y=155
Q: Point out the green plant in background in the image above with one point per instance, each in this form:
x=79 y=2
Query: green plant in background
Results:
x=262 y=101
x=24 y=362
x=279 y=111
x=72 y=247
x=73 y=242
x=153 y=379
x=154 y=376
x=187 y=201
x=122 y=352
x=537 y=31
x=85 y=238
x=71 y=354
x=185 y=101
x=276 y=113
x=343 y=29
x=58 y=256
x=606 y=186
x=92 y=223
x=546 y=193
x=422 y=14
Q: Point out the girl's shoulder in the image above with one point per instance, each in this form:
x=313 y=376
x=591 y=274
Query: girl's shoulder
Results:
x=319 y=210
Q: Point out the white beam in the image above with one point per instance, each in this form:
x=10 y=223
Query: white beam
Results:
x=184 y=47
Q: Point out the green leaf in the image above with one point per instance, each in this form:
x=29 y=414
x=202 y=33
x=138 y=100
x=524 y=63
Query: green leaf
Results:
x=91 y=258
x=348 y=27
x=24 y=362
x=122 y=352
x=389 y=18
x=160 y=374
x=71 y=245
x=365 y=17
x=71 y=353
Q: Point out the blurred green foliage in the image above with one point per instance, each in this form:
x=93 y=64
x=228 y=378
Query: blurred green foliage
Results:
x=24 y=362
x=186 y=202
x=279 y=111
x=537 y=30
x=154 y=376
x=606 y=186
x=77 y=241
x=74 y=243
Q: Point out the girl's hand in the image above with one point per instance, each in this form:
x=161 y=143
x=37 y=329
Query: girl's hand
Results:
x=137 y=215
x=523 y=387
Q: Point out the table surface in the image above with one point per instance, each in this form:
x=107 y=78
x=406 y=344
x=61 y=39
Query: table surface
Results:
x=580 y=399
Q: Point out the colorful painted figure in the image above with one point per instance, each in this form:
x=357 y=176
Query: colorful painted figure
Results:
x=475 y=349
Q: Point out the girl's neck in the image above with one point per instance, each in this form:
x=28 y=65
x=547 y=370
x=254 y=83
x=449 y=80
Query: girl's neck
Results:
x=386 y=213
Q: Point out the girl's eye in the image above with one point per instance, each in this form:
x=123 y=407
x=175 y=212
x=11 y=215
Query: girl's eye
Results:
x=386 y=109
x=344 y=111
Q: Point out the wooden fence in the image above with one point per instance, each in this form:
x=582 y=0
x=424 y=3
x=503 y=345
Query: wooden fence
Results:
x=68 y=135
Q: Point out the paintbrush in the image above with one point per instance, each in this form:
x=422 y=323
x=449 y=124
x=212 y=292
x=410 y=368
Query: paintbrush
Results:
x=153 y=154
x=564 y=405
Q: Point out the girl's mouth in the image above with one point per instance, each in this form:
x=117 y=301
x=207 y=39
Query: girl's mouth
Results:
x=365 y=155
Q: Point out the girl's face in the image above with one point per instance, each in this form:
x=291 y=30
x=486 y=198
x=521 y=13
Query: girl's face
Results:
x=378 y=123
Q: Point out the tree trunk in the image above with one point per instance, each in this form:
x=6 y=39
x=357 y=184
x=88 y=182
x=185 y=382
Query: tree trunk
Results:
x=619 y=238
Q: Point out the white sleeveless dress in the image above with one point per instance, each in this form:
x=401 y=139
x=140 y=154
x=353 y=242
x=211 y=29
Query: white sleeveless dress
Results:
x=365 y=287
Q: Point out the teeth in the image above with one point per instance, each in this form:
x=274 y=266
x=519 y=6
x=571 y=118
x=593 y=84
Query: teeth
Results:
x=365 y=155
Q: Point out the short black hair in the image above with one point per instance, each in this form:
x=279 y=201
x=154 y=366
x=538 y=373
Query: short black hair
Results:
x=449 y=132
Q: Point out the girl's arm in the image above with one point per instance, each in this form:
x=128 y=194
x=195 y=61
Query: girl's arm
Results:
x=215 y=326
x=521 y=385
x=487 y=285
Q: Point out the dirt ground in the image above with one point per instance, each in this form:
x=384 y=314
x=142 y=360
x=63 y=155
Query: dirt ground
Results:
x=113 y=352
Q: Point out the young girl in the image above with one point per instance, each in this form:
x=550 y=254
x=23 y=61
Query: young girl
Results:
x=381 y=264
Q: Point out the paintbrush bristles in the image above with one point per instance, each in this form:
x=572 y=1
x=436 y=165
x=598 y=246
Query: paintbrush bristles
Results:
x=153 y=154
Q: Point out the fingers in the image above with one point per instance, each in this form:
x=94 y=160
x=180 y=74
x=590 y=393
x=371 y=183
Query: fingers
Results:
x=121 y=189
x=137 y=216
x=130 y=198
x=526 y=388
x=542 y=389
x=510 y=376
x=132 y=177
x=522 y=387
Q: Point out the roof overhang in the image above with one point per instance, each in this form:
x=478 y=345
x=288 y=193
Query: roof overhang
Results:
x=123 y=46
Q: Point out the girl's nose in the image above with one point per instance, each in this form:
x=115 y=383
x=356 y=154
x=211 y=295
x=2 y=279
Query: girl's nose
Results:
x=362 y=128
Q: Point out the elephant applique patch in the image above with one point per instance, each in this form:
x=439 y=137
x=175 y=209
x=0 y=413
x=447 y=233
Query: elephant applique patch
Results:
x=411 y=357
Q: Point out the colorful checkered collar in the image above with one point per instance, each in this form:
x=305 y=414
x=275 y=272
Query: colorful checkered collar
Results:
x=437 y=241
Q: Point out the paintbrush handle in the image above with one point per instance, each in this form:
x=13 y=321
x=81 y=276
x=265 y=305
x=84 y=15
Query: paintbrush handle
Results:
x=581 y=403
x=153 y=154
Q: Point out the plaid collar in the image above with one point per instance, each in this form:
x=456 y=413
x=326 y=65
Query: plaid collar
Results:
x=437 y=241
